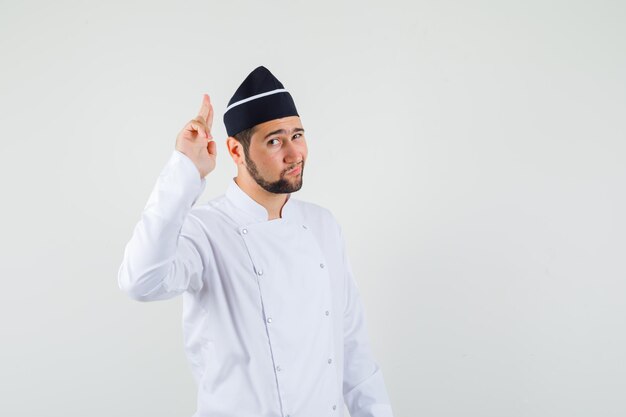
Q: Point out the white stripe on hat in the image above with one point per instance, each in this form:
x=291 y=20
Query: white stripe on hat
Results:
x=267 y=93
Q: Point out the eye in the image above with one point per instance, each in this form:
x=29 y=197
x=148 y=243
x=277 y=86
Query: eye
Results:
x=269 y=141
x=297 y=135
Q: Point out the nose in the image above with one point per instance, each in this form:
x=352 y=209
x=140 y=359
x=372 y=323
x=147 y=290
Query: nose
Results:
x=293 y=153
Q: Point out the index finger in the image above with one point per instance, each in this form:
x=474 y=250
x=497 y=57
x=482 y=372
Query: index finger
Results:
x=209 y=119
x=206 y=106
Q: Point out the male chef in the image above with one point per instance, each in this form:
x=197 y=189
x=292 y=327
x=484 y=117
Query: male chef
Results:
x=272 y=319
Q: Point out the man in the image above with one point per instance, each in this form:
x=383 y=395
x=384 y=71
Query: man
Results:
x=272 y=318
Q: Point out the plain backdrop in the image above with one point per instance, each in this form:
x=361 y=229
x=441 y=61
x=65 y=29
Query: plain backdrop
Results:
x=473 y=151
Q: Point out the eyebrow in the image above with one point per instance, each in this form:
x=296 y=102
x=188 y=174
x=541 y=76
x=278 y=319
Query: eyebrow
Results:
x=283 y=131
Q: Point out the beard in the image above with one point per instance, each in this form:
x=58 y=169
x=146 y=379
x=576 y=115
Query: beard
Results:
x=281 y=186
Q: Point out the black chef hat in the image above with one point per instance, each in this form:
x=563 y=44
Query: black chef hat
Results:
x=259 y=98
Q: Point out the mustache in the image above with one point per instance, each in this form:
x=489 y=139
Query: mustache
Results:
x=293 y=167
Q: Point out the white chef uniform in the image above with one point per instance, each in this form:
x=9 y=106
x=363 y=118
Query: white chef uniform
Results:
x=272 y=320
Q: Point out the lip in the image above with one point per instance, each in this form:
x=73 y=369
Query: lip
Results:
x=295 y=171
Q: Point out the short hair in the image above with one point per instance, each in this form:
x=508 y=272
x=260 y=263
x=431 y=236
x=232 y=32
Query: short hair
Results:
x=245 y=137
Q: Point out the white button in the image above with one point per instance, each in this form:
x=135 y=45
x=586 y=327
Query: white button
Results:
x=269 y=319
x=260 y=272
x=334 y=407
x=330 y=360
x=327 y=312
x=321 y=265
x=278 y=368
x=305 y=228
x=244 y=231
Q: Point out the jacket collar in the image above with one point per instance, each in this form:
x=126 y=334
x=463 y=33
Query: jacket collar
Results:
x=246 y=203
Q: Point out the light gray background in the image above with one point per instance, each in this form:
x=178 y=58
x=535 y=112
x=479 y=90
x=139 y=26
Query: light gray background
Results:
x=473 y=152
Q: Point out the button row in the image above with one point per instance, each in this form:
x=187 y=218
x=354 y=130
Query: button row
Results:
x=278 y=368
x=269 y=319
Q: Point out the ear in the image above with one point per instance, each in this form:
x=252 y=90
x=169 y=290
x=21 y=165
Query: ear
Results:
x=235 y=149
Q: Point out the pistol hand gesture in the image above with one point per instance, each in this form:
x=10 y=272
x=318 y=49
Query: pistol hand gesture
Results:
x=196 y=141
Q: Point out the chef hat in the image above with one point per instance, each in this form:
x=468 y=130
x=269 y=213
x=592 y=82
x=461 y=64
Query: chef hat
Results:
x=259 y=98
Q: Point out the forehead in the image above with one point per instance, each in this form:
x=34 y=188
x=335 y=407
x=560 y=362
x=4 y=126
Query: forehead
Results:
x=286 y=123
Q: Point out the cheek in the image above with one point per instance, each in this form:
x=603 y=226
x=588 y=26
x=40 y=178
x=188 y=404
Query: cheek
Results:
x=304 y=150
x=273 y=162
x=261 y=159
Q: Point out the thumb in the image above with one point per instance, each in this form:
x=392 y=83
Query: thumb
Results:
x=212 y=147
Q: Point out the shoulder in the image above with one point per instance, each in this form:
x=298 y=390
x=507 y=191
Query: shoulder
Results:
x=209 y=208
x=205 y=215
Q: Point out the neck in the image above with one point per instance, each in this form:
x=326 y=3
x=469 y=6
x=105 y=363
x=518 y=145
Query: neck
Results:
x=273 y=203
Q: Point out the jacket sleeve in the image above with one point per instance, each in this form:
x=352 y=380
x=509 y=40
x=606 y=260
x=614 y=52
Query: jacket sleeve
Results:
x=364 y=389
x=161 y=259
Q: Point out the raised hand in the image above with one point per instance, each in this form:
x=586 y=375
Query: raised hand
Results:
x=196 y=141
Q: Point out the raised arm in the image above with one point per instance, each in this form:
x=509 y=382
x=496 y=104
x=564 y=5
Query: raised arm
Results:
x=161 y=259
